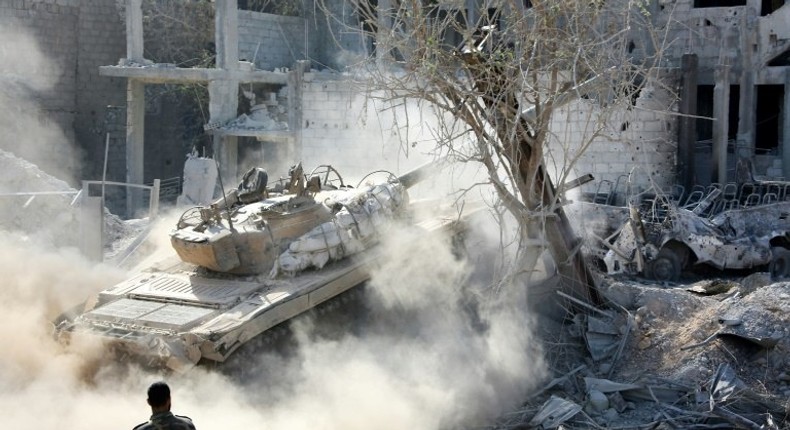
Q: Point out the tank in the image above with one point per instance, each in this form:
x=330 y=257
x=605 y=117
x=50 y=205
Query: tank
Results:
x=256 y=257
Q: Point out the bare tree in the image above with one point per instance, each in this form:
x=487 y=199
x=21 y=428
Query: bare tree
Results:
x=498 y=71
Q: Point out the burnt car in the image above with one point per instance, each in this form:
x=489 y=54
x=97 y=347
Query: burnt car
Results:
x=744 y=229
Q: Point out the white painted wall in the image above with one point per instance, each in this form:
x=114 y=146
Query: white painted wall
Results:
x=356 y=133
x=640 y=139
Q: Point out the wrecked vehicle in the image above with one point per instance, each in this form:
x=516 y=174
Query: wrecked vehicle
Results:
x=662 y=240
x=258 y=256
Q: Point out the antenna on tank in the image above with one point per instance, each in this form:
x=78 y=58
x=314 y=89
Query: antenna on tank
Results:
x=224 y=196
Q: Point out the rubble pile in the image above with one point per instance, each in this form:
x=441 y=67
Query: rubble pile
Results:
x=704 y=355
x=46 y=210
x=49 y=218
x=258 y=119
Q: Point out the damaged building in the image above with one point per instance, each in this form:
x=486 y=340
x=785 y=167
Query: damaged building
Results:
x=276 y=89
x=726 y=62
x=273 y=88
x=266 y=88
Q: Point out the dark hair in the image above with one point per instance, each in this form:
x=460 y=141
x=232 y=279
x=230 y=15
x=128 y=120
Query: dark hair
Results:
x=158 y=393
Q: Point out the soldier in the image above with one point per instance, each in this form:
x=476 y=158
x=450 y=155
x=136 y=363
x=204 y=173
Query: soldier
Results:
x=162 y=418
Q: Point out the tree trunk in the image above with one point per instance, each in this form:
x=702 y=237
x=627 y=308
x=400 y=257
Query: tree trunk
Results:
x=537 y=190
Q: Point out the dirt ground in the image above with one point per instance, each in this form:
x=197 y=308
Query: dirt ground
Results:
x=676 y=347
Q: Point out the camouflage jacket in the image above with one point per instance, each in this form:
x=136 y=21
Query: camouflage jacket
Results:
x=166 y=421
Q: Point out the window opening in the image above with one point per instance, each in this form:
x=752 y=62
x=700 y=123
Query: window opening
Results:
x=719 y=3
x=770 y=101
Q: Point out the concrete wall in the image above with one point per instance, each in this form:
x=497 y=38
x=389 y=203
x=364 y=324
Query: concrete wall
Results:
x=170 y=131
x=736 y=35
x=639 y=140
x=101 y=41
x=356 y=133
x=271 y=40
x=60 y=113
x=335 y=43
x=38 y=41
x=707 y=32
x=746 y=38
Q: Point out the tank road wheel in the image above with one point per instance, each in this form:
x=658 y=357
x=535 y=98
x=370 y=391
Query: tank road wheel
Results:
x=667 y=265
x=780 y=263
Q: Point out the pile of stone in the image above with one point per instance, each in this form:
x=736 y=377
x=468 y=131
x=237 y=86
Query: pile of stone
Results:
x=714 y=353
x=46 y=210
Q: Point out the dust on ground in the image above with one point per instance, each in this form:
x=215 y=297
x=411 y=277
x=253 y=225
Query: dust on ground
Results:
x=678 y=340
x=421 y=364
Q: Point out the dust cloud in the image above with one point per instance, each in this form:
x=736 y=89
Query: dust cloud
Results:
x=32 y=122
x=428 y=360
x=433 y=353
x=429 y=356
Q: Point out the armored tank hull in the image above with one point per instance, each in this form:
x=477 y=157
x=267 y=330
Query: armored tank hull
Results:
x=200 y=305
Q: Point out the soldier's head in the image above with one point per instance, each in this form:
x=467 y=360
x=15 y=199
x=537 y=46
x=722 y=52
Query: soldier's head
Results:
x=159 y=397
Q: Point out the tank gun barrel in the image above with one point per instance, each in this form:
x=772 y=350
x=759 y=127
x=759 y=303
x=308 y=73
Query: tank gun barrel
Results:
x=413 y=177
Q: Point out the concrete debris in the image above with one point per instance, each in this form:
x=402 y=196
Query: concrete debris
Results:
x=200 y=179
x=597 y=400
x=601 y=337
x=129 y=62
x=266 y=115
x=668 y=356
x=746 y=320
x=258 y=119
x=617 y=402
x=46 y=210
x=711 y=287
x=709 y=354
x=555 y=412
x=730 y=400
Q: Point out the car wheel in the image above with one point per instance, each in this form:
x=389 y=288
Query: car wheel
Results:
x=780 y=263
x=666 y=267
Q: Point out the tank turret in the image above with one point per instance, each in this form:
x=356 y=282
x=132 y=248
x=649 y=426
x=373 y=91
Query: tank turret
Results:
x=299 y=222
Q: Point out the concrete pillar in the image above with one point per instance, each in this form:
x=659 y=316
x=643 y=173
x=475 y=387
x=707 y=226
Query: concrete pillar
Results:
x=135 y=109
x=472 y=13
x=226 y=27
x=687 y=126
x=91 y=225
x=295 y=82
x=746 y=115
x=721 y=112
x=135 y=143
x=383 y=25
x=228 y=157
x=786 y=128
x=224 y=93
x=747 y=104
x=223 y=107
x=134 y=30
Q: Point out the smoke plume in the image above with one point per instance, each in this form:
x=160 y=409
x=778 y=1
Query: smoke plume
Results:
x=433 y=350
x=34 y=124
